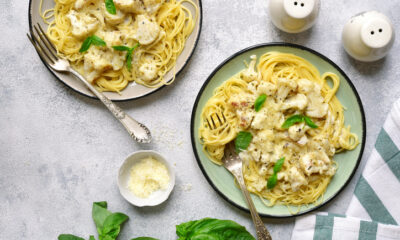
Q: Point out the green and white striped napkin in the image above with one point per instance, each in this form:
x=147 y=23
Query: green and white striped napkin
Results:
x=374 y=211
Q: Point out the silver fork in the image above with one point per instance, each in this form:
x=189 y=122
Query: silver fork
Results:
x=233 y=163
x=48 y=53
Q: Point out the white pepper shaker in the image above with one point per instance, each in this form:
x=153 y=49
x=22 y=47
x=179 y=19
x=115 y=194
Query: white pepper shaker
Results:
x=368 y=36
x=293 y=16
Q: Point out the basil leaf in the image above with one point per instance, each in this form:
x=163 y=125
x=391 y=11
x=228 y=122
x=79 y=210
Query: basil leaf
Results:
x=92 y=237
x=100 y=214
x=98 y=41
x=243 y=140
x=215 y=229
x=272 y=181
x=121 y=48
x=144 y=238
x=292 y=120
x=69 y=237
x=309 y=122
x=259 y=102
x=111 y=225
x=86 y=44
x=110 y=233
x=110 y=7
x=129 y=60
x=278 y=165
x=95 y=40
x=115 y=219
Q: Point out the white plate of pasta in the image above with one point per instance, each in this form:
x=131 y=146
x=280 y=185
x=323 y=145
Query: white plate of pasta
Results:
x=297 y=123
x=126 y=48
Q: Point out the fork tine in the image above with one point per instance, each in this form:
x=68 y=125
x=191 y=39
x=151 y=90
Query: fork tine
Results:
x=45 y=40
x=39 y=50
x=209 y=125
x=219 y=119
x=212 y=120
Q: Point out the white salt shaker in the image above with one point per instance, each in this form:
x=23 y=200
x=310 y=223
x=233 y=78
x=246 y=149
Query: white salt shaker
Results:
x=368 y=36
x=293 y=16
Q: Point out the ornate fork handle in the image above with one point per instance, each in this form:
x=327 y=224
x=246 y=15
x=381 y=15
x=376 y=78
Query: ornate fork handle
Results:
x=262 y=232
x=138 y=131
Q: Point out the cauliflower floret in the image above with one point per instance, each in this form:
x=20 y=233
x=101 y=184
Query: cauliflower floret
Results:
x=245 y=156
x=259 y=119
x=316 y=107
x=131 y=6
x=113 y=19
x=297 y=131
x=152 y=6
x=282 y=175
x=250 y=73
x=79 y=4
x=252 y=87
x=316 y=162
x=260 y=184
x=303 y=140
x=296 y=178
x=284 y=87
x=113 y=38
x=82 y=25
x=148 y=71
x=146 y=30
x=100 y=59
x=299 y=101
x=305 y=86
x=322 y=143
x=245 y=116
x=266 y=88
x=263 y=170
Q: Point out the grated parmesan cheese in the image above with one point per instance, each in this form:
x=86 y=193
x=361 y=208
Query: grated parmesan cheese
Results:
x=148 y=176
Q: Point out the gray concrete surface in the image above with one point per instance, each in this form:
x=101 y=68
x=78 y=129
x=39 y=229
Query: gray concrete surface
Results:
x=60 y=151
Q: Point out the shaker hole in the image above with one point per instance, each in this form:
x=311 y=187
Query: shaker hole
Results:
x=380 y=29
x=302 y=4
x=372 y=32
x=295 y=3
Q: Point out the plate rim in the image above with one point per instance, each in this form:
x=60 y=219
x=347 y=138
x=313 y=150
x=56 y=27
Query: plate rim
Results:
x=279 y=44
x=131 y=98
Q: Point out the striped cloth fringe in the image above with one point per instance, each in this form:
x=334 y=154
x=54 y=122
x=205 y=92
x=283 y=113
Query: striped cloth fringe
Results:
x=374 y=210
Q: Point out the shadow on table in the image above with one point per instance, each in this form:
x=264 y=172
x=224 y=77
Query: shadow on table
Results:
x=364 y=68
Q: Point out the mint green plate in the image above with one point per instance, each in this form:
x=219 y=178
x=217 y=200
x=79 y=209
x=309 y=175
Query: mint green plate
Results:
x=222 y=181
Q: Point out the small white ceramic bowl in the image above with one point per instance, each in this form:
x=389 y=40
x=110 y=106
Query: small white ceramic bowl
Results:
x=124 y=173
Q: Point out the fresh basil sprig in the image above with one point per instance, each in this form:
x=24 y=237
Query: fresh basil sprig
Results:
x=95 y=40
x=128 y=55
x=272 y=181
x=298 y=119
x=209 y=228
x=108 y=224
x=259 y=102
x=242 y=141
x=110 y=7
x=69 y=237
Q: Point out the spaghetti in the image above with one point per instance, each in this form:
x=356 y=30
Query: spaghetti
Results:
x=162 y=39
x=293 y=87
